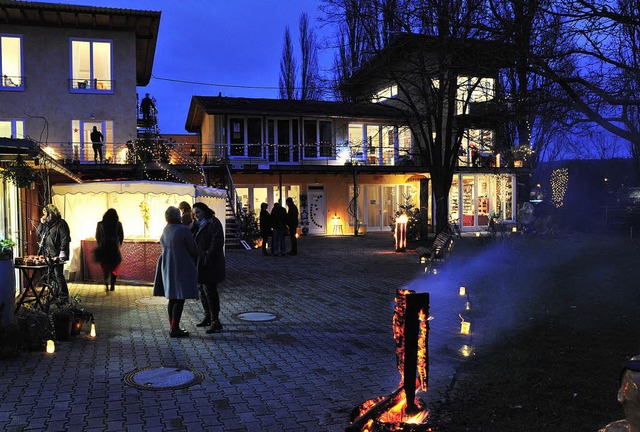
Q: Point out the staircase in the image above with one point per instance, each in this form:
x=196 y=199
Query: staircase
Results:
x=232 y=234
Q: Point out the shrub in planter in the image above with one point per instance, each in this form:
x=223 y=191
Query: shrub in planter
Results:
x=34 y=328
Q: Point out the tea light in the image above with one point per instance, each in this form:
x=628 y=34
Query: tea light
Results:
x=92 y=333
x=466 y=350
x=465 y=327
x=514 y=229
x=463 y=291
x=51 y=347
x=477 y=234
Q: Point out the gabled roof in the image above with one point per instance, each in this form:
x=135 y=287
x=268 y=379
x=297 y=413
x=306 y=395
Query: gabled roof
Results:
x=201 y=105
x=464 y=55
x=145 y=24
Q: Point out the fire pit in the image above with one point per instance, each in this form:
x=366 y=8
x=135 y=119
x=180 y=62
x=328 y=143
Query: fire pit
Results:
x=402 y=410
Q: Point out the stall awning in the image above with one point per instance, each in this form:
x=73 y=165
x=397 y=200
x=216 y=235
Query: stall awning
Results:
x=152 y=187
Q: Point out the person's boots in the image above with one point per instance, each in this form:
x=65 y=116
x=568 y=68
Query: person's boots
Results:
x=216 y=326
x=206 y=322
x=113 y=282
x=106 y=284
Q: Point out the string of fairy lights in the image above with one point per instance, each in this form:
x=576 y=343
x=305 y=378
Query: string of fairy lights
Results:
x=559 y=181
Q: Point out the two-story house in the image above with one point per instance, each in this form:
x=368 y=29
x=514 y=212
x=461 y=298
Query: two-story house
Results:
x=354 y=164
x=64 y=70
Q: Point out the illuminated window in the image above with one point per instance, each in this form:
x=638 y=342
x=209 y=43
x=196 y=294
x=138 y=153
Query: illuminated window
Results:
x=11 y=128
x=385 y=93
x=91 y=66
x=82 y=148
x=477 y=144
x=11 y=63
x=473 y=89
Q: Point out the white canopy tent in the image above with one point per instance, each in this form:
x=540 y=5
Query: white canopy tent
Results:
x=82 y=206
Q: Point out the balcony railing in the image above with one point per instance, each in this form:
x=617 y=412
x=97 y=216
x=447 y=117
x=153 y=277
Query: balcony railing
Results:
x=79 y=85
x=160 y=150
x=12 y=82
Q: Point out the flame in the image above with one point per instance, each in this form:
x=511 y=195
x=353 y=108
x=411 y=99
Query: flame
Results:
x=422 y=350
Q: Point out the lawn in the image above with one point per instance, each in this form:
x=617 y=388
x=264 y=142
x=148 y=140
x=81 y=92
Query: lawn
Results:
x=557 y=319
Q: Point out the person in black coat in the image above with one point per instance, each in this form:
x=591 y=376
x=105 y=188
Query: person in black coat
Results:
x=109 y=236
x=279 y=226
x=209 y=235
x=265 y=227
x=292 y=223
x=55 y=237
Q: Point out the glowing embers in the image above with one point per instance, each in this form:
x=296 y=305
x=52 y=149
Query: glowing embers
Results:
x=402 y=410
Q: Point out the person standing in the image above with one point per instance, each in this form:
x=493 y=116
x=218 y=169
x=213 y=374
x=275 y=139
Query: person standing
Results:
x=109 y=236
x=209 y=235
x=97 y=139
x=176 y=273
x=55 y=237
x=292 y=223
x=279 y=225
x=265 y=227
x=147 y=106
x=186 y=215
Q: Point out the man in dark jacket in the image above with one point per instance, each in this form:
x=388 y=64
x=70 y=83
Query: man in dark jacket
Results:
x=209 y=235
x=55 y=237
x=292 y=223
x=279 y=226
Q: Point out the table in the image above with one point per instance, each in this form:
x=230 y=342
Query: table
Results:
x=139 y=259
x=32 y=275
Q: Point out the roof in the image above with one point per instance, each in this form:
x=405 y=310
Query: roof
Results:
x=469 y=56
x=145 y=24
x=201 y=105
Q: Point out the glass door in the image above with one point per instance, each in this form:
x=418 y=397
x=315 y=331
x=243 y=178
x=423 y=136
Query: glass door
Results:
x=468 y=201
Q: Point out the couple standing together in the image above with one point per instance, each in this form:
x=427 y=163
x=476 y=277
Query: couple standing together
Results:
x=192 y=262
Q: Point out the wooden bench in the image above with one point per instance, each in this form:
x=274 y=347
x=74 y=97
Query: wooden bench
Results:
x=438 y=252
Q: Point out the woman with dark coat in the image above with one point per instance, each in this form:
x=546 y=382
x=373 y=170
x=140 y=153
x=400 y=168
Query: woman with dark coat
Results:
x=209 y=235
x=109 y=236
x=176 y=277
x=265 y=227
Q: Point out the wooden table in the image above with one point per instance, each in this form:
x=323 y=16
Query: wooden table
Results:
x=139 y=259
x=32 y=275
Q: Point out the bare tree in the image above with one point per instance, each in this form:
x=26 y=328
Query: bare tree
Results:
x=310 y=88
x=287 y=82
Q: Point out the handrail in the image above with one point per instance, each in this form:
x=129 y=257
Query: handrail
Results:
x=232 y=194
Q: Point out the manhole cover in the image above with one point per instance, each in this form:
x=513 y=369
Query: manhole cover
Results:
x=163 y=378
x=152 y=301
x=257 y=316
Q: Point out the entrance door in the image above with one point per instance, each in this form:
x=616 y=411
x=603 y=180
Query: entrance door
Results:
x=317 y=210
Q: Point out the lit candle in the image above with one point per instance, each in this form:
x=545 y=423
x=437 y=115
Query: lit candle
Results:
x=466 y=350
x=51 y=347
x=463 y=291
x=92 y=333
x=477 y=234
x=468 y=306
x=514 y=229
x=465 y=327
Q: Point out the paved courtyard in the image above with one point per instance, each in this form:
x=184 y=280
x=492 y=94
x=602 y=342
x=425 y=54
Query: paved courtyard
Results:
x=329 y=349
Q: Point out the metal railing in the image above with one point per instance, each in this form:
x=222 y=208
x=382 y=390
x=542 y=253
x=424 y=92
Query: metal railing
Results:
x=93 y=85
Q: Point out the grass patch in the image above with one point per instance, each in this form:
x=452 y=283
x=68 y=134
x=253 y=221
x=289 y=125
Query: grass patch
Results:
x=554 y=364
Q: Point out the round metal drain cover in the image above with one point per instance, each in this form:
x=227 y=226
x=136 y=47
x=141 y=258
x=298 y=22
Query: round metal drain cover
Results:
x=257 y=316
x=152 y=301
x=163 y=378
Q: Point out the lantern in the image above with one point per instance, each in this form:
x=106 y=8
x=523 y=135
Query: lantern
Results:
x=337 y=226
x=401 y=233
x=92 y=333
x=463 y=291
x=51 y=347
x=466 y=350
x=465 y=326
x=468 y=305
x=477 y=234
x=514 y=229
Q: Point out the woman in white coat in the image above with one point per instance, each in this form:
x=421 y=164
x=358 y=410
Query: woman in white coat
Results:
x=176 y=273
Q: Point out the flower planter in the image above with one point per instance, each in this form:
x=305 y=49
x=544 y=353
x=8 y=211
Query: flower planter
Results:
x=63 y=324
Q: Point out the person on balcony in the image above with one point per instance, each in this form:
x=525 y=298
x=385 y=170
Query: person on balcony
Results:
x=147 y=107
x=292 y=223
x=97 y=139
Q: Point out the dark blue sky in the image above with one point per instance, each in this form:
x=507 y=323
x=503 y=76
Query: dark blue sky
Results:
x=234 y=43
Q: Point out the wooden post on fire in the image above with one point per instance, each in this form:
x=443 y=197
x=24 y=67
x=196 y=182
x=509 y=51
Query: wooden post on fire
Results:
x=415 y=303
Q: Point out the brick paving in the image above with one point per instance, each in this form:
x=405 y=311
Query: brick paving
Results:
x=330 y=348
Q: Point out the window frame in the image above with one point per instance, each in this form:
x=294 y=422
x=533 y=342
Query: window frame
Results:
x=91 y=84
x=8 y=84
x=14 y=123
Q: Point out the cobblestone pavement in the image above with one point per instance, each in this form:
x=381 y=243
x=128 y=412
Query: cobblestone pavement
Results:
x=330 y=348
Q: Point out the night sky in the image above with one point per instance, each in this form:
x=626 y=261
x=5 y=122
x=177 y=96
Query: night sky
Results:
x=236 y=44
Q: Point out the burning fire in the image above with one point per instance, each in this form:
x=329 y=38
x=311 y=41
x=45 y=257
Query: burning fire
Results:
x=402 y=407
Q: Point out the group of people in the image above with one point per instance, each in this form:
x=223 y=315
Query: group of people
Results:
x=276 y=224
x=191 y=264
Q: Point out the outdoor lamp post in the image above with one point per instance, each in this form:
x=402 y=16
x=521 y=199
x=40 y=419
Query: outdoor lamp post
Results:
x=401 y=233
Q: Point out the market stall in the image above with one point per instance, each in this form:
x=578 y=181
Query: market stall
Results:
x=140 y=205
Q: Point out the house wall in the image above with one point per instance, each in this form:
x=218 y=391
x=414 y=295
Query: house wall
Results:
x=46 y=68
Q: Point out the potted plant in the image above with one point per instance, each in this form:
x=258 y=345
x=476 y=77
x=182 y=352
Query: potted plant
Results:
x=19 y=173
x=34 y=328
x=69 y=318
x=6 y=249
